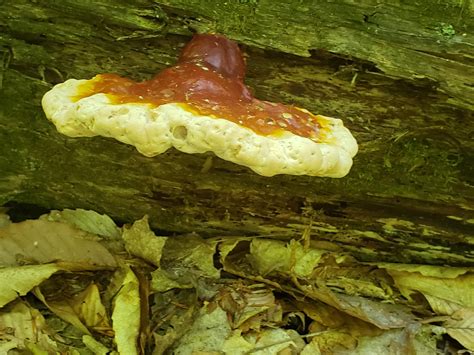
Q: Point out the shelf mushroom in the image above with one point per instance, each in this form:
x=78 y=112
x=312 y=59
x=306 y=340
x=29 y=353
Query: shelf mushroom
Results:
x=199 y=105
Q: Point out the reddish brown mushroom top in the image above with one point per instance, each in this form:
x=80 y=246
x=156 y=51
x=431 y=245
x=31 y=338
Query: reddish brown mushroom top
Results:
x=209 y=79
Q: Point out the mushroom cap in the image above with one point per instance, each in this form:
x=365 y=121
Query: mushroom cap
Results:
x=154 y=129
x=223 y=55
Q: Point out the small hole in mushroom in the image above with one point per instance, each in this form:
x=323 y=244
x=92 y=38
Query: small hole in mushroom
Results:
x=180 y=132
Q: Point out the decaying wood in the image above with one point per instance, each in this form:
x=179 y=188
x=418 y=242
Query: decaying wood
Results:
x=401 y=77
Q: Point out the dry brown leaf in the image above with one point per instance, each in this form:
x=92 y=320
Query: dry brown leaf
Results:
x=21 y=325
x=84 y=310
x=412 y=340
x=88 y=221
x=276 y=256
x=142 y=242
x=190 y=254
x=329 y=317
x=40 y=242
x=90 y=309
x=248 y=307
x=176 y=327
x=325 y=315
x=208 y=332
x=382 y=315
x=63 y=310
x=272 y=341
x=332 y=341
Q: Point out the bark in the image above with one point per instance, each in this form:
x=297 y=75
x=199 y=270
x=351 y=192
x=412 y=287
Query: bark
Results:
x=399 y=75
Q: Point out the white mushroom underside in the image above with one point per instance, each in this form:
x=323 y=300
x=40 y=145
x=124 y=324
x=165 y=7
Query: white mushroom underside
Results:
x=153 y=130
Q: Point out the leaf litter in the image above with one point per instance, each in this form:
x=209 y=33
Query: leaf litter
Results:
x=73 y=282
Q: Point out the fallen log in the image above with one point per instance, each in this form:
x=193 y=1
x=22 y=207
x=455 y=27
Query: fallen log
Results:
x=399 y=78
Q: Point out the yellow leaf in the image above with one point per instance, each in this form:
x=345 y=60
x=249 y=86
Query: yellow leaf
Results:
x=458 y=290
x=95 y=346
x=236 y=344
x=442 y=306
x=142 y=242
x=329 y=342
x=446 y=272
x=84 y=310
x=90 y=309
x=126 y=314
x=19 y=280
x=311 y=349
x=461 y=327
x=291 y=258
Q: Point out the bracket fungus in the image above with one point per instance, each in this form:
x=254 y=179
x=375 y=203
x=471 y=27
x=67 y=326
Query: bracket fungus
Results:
x=202 y=104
